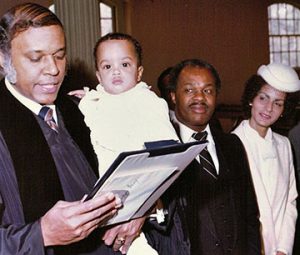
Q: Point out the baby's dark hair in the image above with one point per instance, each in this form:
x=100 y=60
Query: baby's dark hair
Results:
x=253 y=85
x=120 y=36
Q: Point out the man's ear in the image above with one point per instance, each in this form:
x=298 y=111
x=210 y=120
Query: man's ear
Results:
x=1 y=59
x=140 y=73
x=173 y=97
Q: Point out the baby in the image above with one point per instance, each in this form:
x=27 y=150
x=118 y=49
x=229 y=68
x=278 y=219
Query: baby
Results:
x=123 y=113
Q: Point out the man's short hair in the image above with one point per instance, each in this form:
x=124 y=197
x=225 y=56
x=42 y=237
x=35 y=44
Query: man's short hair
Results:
x=161 y=81
x=20 y=18
x=193 y=63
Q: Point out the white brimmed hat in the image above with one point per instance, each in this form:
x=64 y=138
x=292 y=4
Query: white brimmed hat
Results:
x=282 y=77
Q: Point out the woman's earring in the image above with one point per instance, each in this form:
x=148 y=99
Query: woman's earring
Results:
x=250 y=104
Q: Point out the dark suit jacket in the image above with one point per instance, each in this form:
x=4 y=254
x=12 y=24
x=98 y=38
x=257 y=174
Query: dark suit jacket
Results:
x=294 y=136
x=235 y=174
x=25 y=138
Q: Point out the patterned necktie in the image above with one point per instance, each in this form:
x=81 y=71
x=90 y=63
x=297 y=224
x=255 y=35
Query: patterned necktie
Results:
x=205 y=158
x=46 y=114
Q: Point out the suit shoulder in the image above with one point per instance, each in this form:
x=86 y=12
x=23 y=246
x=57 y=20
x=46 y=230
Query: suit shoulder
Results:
x=295 y=131
x=231 y=147
x=227 y=139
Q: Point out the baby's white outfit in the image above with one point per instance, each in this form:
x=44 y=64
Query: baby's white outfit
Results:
x=124 y=122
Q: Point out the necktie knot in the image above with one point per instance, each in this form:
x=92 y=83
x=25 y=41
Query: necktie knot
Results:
x=201 y=136
x=46 y=113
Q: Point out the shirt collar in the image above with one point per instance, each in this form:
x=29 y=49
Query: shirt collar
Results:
x=186 y=133
x=28 y=103
x=186 y=136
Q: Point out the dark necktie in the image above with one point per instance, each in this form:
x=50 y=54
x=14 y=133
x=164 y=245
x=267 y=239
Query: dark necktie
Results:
x=46 y=114
x=205 y=158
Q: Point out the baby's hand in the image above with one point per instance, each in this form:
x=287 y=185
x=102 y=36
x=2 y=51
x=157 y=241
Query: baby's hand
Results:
x=80 y=93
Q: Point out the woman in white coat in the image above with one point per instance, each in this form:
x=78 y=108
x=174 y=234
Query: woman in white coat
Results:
x=267 y=96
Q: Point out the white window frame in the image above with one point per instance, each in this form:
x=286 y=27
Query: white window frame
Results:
x=284 y=33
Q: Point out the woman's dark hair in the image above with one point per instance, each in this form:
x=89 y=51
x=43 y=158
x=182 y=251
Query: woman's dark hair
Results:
x=253 y=85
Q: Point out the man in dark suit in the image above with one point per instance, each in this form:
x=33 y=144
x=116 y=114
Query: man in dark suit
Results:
x=45 y=147
x=216 y=209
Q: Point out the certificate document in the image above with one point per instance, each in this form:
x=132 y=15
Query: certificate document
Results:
x=139 y=178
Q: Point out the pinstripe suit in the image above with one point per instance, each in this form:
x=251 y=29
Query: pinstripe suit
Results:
x=196 y=225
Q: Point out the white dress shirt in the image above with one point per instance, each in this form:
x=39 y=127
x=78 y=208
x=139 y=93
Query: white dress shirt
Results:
x=186 y=136
x=28 y=103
